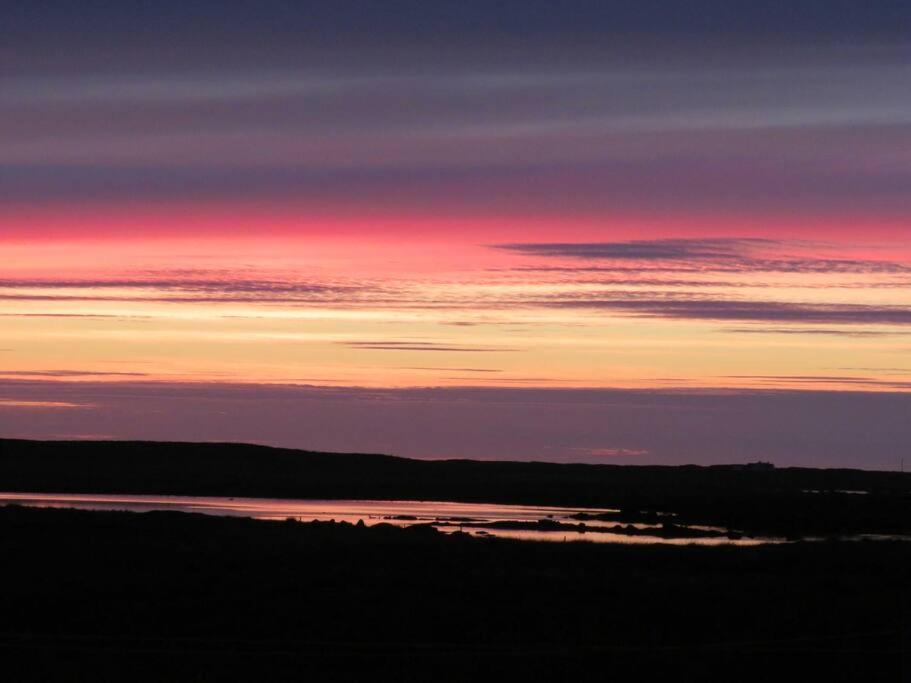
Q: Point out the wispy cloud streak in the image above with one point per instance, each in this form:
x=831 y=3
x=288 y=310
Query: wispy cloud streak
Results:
x=732 y=255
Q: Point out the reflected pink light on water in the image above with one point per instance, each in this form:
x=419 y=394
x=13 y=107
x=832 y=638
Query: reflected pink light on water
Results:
x=445 y=515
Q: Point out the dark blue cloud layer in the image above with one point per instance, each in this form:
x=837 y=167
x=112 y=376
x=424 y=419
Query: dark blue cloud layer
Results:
x=582 y=106
x=208 y=32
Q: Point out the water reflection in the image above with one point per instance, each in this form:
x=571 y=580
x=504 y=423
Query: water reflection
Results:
x=480 y=519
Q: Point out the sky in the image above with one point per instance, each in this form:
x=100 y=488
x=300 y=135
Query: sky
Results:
x=648 y=232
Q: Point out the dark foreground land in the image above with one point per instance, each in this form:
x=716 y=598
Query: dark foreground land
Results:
x=114 y=596
x=790 y=502
x=118 y=596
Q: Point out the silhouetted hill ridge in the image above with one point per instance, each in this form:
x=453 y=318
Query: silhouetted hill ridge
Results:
x=766 y=500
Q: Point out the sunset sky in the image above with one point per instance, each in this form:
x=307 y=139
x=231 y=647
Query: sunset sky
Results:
x=577 y=231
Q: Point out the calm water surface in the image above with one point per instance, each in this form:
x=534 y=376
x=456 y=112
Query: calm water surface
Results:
x=446 y=516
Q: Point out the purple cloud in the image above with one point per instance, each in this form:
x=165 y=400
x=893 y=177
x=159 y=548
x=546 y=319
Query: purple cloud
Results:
x=752 y=311
x=68 y=373
x=722 y=255
x=789 y=427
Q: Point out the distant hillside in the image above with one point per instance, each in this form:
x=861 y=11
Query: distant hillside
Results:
x=770 y=499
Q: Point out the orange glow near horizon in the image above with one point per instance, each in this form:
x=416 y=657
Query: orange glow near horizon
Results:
x=395 y=304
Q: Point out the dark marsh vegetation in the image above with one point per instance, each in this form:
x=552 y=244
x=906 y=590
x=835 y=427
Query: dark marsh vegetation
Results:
x=159 y=596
